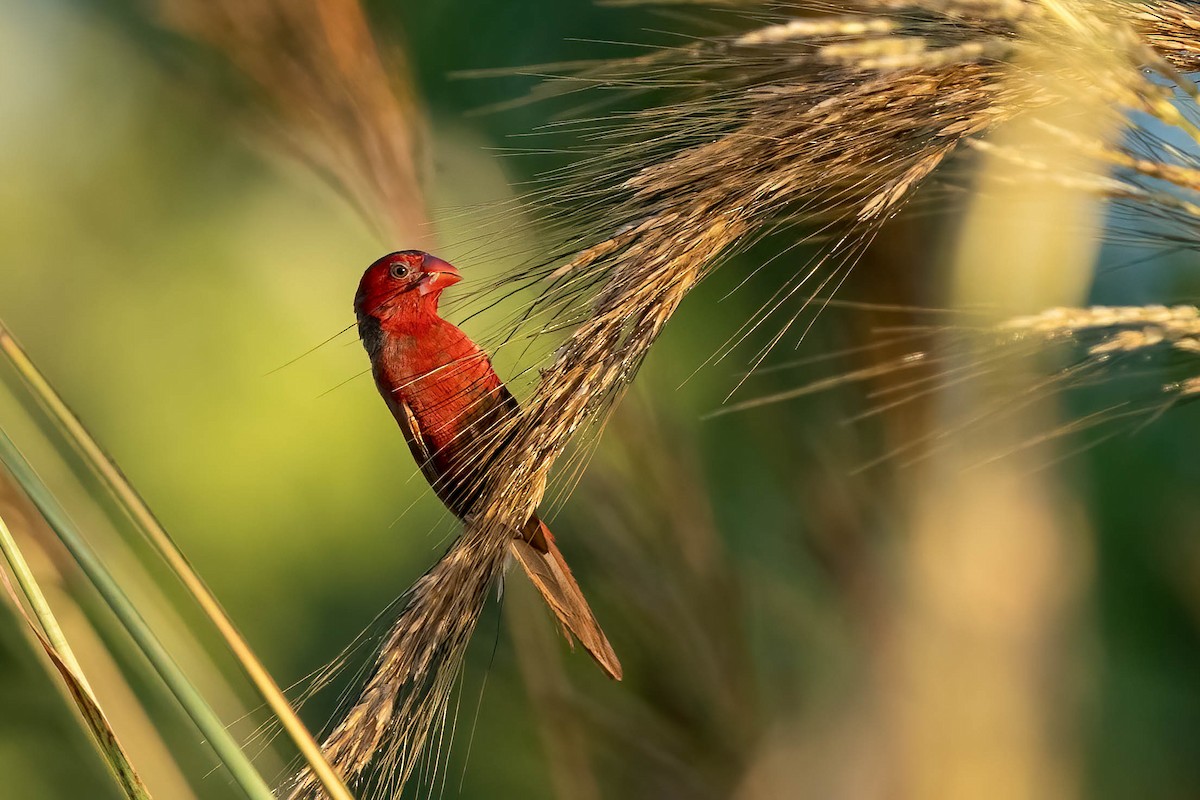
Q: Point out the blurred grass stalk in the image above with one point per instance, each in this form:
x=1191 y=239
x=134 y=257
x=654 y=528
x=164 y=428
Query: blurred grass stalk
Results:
x=994 y=564
x=539 y=659
x=240 y=768
x=336 y=100
x=59 y=651
x=133 y=505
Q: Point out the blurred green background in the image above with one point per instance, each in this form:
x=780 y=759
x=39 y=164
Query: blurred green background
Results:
x=161 y=265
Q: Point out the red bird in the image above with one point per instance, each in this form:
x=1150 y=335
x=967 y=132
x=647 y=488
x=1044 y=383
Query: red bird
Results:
x=448 y=401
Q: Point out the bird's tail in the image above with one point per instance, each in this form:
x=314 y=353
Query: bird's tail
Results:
x=536 y=551
x=407 y=694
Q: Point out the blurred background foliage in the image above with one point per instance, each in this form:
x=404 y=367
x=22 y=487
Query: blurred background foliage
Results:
x=163 y=265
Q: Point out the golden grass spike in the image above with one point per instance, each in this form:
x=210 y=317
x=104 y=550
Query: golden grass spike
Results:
x=776 y=128
x=110 y=474
x=408 y=691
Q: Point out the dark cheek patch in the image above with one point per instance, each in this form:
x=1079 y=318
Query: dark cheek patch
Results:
x=371 y=333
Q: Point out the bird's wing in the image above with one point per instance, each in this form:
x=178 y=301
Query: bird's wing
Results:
x=544 y=564
x=417 y=443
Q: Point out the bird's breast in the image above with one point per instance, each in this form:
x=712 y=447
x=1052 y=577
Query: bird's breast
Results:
x=446 y=381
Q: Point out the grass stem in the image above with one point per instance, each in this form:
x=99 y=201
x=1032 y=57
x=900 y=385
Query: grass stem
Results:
x=133 y=504
x=235 y=760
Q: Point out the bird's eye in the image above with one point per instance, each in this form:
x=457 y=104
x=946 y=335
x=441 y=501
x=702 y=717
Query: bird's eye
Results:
x=399 y=271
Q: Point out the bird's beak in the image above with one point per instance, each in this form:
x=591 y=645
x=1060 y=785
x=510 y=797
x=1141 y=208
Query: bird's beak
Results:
x=438 y=275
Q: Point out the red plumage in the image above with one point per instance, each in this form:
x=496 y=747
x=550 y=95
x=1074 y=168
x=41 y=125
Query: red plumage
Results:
x=451 y=406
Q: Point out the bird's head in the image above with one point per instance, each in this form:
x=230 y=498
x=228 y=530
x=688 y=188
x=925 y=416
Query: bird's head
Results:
x=407 y=282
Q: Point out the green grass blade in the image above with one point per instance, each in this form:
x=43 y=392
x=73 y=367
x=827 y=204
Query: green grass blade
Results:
x=55 y=645
x=37 y=601
x=235 y=760
x=116 y=482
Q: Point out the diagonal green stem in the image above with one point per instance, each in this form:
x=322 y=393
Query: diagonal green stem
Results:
x=67 y=667
x=205 y=719
x=150 y=527
x=37 y=601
